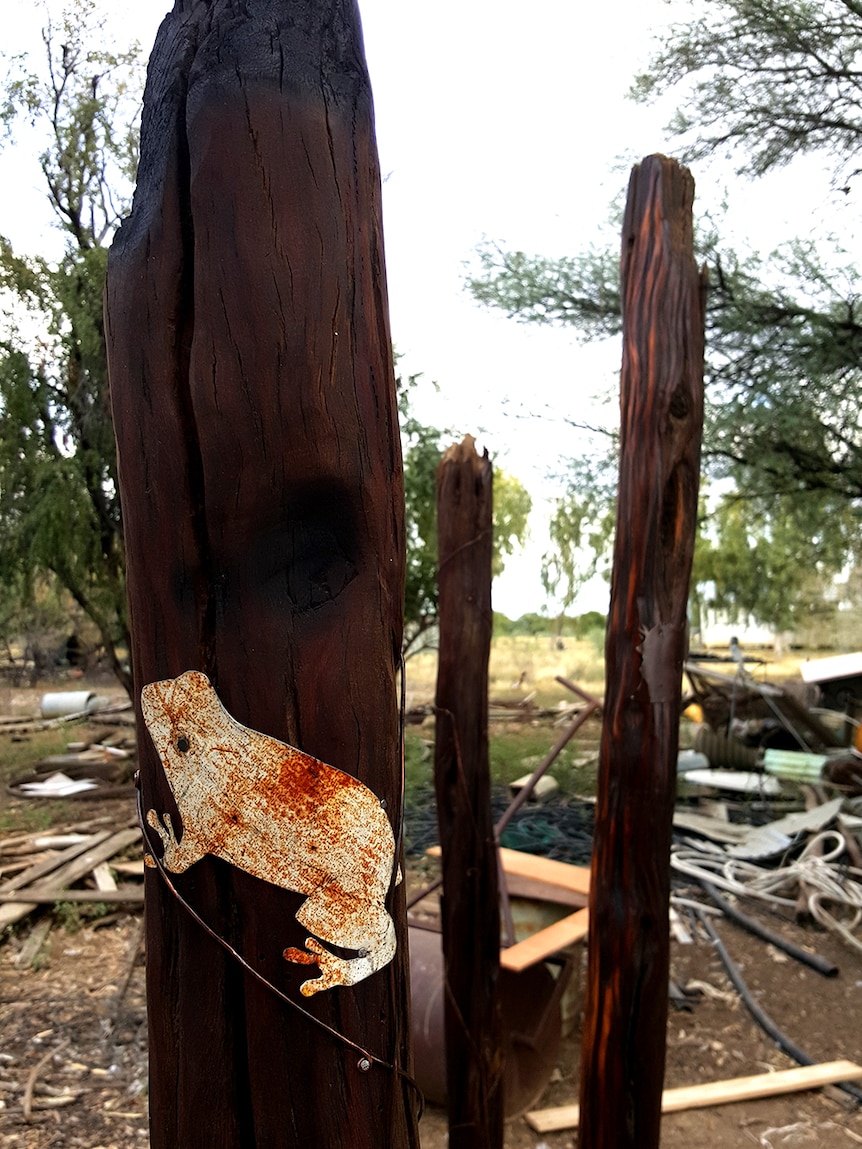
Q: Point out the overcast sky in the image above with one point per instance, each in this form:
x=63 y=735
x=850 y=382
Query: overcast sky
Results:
x=499 y=121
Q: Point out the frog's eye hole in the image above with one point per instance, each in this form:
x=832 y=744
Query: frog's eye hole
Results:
x=183 y=744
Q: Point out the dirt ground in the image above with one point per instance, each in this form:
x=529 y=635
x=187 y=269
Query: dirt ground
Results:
x=73 y=1039
x=73 y=1026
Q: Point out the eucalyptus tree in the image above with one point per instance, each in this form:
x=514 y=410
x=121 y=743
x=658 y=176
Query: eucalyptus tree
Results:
x=762 y=82
x=59 y=505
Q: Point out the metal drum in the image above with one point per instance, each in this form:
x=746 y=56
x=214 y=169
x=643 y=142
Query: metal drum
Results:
x=530 y=1007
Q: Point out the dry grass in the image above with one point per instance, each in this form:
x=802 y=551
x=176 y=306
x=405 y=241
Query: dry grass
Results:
x=536 y=658
x=581 y=661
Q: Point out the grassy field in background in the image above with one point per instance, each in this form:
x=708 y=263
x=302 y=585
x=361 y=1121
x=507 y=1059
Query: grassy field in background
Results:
x=515 y=747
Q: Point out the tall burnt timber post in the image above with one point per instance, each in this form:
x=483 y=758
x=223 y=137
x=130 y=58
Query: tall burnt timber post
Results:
x=469 y=906
x=254 y=402
x=661 y=421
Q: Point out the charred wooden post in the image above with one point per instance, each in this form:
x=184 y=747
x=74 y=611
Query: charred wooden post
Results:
x=662 y=413
x=255 y=411
x=470 y=907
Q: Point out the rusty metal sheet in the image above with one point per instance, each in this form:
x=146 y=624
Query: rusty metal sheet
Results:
x=280 y=815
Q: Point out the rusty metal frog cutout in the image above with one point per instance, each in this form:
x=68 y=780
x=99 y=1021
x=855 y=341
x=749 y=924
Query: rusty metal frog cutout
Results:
x=280 y=815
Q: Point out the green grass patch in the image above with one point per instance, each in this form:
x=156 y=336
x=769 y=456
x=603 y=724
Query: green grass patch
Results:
x=514 y=749
x=73 y=916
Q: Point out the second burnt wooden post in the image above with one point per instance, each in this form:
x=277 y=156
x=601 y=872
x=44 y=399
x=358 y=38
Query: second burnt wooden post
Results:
x=470 y=907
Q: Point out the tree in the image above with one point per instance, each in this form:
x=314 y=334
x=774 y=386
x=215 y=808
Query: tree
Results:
x=774 y=561
x=512 y=506
x=784 y=387
x=765 y=80
x=423 y=448
x=59 y=507
x=34 y=618
x=581 y=531
x=784 y=335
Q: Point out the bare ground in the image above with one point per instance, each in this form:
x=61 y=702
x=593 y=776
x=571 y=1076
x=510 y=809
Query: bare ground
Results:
x=73 y=1028
x=73 y=1040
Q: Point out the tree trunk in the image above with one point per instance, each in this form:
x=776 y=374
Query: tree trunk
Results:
x=662 y=414
x=470 y=907
x=259 y=459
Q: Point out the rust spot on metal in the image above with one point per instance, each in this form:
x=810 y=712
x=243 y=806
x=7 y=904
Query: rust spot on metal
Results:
x=280 y=815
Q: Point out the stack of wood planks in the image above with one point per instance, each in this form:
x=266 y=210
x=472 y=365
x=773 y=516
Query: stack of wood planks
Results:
x=45 y=868
x=530 y=876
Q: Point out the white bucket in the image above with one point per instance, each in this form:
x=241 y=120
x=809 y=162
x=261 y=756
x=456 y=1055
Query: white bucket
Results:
x=65 y=702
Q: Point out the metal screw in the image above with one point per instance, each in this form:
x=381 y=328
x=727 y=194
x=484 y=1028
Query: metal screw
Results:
x=364 y=1064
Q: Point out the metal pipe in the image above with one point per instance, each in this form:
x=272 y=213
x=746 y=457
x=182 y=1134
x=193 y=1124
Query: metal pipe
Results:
x=760 y=1016
x=813 y=961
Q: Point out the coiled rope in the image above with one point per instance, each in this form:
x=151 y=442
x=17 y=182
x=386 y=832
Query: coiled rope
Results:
x=830 y=888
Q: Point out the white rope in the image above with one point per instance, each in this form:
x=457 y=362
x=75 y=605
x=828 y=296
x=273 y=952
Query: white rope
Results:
x=824 y=882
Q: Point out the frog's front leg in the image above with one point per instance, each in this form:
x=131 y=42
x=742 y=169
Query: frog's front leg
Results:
x=179 y=855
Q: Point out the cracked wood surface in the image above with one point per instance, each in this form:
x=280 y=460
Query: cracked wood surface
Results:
x=254 y=402
x=469 y=906
x=661 y=399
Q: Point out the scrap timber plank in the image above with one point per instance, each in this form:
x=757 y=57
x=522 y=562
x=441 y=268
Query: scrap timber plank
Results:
x=561 y=874
x=48 y=865
x=718 y=1092
x=550 y=940
x=73 y=871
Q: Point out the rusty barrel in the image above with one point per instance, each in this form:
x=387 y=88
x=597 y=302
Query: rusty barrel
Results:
x=530 y=1005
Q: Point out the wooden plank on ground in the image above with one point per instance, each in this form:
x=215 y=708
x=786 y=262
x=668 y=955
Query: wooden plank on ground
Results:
x=103 y=877
x=719 y=1092
x=548 y=941
x=561 y=874
x=33 y=943
x=48 y=865
x=537 y=891
x=73 y=871
x=48 y=895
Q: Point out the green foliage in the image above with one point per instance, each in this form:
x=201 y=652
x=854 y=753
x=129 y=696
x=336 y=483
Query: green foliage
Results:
x=59 y=503
x=775 y=559
x=581 y=530
x=765 y=79
x=582 y=290
x=84 y=100
x=586 y=626
x=73 y=916
x=34 y=620
x=783 y=379
x=423 y=448
x=527 y=624
x=512 y=506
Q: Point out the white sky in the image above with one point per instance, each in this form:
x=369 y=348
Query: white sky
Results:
x=498 y=120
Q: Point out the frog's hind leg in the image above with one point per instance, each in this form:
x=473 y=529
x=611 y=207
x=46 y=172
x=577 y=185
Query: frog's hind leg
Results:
x=351 y=924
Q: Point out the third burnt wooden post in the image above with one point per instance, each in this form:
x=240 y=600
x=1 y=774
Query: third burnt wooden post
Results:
x=661 y=420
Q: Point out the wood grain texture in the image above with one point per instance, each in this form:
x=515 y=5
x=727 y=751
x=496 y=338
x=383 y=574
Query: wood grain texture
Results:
x=562 y=875
x=254 y=403
x=661 y=421
x=469 y=904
